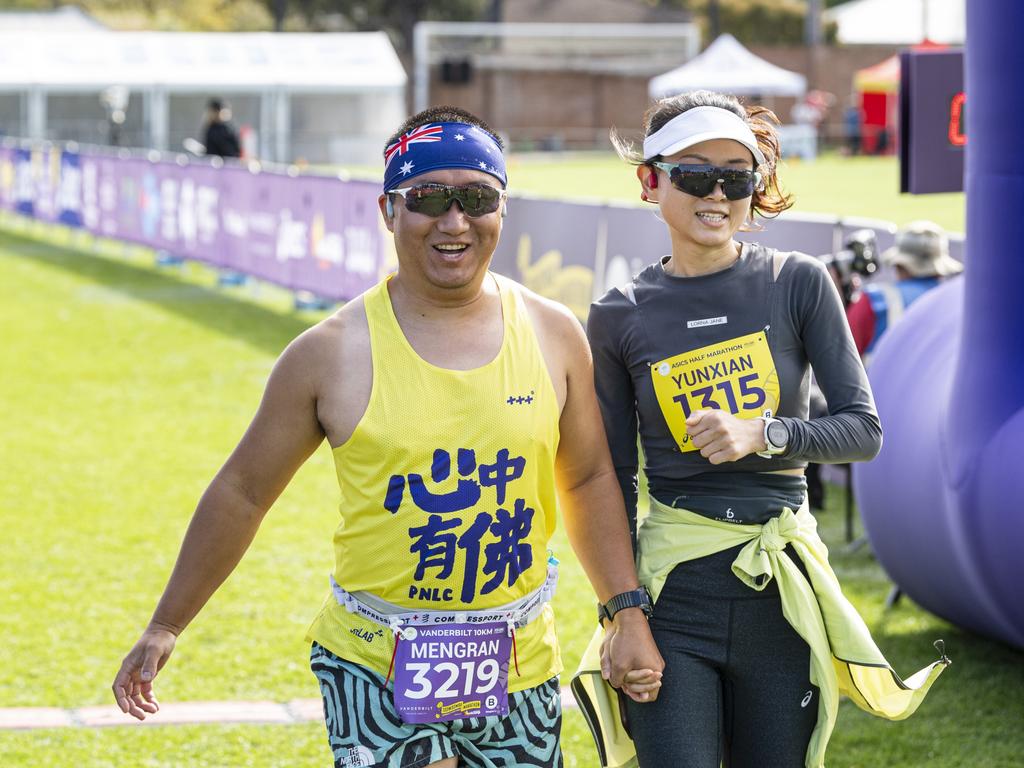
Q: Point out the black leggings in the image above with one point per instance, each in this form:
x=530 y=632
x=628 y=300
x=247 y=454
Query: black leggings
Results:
x=736 y=688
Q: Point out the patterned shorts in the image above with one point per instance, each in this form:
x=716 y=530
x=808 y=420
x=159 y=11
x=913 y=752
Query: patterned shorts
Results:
x=364 y=729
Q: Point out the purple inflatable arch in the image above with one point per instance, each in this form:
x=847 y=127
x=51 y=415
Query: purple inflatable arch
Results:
x=943 y=503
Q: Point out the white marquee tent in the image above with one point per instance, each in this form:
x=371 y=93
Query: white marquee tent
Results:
x=322 y=97
x=727 y=66
x=899 y=22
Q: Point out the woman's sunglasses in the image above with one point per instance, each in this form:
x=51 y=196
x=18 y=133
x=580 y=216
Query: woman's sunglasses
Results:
x=701 y=180
x=434 y=199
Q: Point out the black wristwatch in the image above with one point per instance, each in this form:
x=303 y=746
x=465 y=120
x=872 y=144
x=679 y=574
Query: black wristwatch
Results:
x=635 y=598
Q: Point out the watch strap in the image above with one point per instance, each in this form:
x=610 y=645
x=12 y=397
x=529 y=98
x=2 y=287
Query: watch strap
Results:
x=634 y=598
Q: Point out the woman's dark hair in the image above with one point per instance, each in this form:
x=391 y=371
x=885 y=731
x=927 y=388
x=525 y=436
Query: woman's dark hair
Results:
x=443 y=114
x=769 y=201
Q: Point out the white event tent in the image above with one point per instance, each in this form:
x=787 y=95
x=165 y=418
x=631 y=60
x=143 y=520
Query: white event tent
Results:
x=320 y=97
x=906 y=22
x=728 y=67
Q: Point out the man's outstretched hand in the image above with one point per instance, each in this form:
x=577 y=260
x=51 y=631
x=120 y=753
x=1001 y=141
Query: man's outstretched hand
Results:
x=133 y=685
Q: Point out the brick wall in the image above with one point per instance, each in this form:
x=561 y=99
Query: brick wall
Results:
x=571 y=110
x=574 y=110
x=833 y=72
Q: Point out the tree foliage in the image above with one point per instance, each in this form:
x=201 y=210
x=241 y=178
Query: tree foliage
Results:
x=755 y=22
x=397 y=18
x=768 y=22
x=181 y=15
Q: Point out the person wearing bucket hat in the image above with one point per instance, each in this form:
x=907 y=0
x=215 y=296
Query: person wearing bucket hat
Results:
x=922 y=250
x=706 y=355
x=921 y=261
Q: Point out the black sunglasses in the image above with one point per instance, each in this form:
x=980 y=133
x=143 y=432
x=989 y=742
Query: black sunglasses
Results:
x=434 y=199
x=701 y=180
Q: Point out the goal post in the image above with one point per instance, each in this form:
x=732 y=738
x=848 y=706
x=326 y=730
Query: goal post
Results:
x=608 y=48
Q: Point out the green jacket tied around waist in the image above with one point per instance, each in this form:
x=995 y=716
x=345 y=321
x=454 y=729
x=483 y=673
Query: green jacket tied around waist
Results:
x=844 y=658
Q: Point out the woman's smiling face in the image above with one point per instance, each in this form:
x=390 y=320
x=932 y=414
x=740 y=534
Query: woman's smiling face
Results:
x=701 y=225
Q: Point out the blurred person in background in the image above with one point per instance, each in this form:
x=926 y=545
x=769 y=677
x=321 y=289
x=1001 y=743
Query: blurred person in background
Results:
x=921 y=261
x=852 y=127
x=219 y=136
x=857 y=259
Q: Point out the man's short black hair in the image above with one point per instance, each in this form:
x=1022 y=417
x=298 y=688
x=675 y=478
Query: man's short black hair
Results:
x=215 y=104
x=443 y=114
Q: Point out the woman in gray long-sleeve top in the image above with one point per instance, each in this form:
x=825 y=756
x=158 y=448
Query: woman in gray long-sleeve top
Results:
x=707 y=355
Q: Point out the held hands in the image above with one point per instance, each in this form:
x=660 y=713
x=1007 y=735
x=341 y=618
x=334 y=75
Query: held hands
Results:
x=722 y=437
x=133 y=686
x=629 y=658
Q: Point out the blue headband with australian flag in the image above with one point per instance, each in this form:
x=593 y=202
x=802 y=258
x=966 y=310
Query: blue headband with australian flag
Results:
x=437 y=146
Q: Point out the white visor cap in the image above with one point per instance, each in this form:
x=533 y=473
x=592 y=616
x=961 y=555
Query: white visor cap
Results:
x=701 y=124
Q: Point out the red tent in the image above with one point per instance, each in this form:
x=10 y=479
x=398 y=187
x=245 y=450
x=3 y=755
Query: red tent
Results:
x=878 y=89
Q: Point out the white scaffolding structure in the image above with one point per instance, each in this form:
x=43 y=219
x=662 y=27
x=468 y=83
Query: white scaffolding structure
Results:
x=609 y=48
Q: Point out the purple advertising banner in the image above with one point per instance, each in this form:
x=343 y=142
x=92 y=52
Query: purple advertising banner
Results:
x=6 y=178
x=45 y=170
x=313 y=233
x=69 y=190
x=574 y=252
x=24 y=182
x=42 y=182
x=324 y=235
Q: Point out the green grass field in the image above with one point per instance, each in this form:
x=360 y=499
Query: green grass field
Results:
x=125 y=386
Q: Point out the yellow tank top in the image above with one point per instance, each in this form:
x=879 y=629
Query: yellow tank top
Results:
x=447 y=490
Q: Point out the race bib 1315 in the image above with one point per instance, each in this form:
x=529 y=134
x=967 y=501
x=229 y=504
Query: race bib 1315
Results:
x=737 y=375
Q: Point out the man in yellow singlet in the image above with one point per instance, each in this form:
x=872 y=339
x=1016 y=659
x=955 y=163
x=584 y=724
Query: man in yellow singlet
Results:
x=461 y=412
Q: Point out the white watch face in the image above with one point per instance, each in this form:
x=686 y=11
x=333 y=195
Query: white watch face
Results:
x=777 y=434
